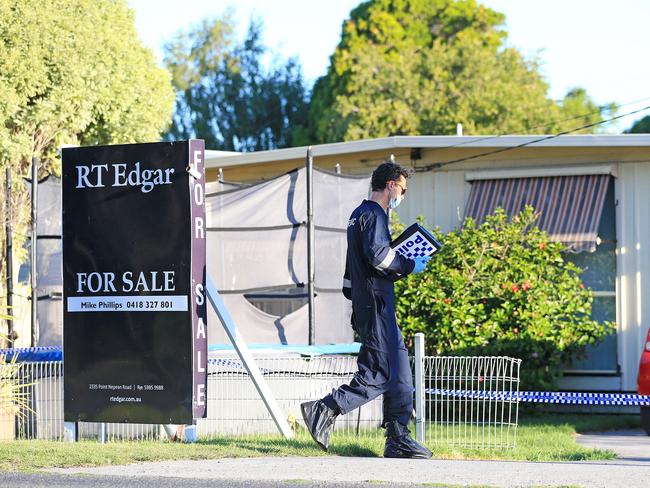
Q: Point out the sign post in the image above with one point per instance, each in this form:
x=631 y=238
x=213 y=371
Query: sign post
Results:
x=135 y=342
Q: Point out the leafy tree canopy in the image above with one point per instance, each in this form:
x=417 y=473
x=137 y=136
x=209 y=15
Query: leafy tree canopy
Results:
x=641 y=126
x=75 y=72
x=408 y=67
x=226 y=95
x=71 y=72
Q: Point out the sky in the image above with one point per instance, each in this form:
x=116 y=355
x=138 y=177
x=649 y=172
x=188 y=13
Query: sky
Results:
x=599 y=45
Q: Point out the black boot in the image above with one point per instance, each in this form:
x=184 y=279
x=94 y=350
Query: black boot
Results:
x=319 y=419
x=400 y=444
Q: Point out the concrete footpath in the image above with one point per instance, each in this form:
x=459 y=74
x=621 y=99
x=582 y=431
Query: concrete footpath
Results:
x=629 y=445
x=354 y=470
x=631 y=470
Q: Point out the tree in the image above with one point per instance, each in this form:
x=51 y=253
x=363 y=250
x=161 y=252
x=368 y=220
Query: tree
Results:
x=225 y=95
x=74 y=71
x=502 y=289
x=408 y=67
x=579 y=110
x=641 y=126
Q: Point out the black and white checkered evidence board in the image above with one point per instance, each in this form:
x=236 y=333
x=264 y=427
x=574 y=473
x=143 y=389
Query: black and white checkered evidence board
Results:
x=416 y=246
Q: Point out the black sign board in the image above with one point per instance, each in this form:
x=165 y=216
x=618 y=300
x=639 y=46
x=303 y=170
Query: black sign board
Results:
x=134 y=331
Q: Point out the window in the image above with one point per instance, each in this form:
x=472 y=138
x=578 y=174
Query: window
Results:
x=600 y=276
x=580 y=211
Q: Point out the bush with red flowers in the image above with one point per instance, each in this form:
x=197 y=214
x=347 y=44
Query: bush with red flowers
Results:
x=502 y=288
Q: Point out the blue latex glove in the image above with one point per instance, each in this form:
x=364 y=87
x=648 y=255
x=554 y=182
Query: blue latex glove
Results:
x=420 y=264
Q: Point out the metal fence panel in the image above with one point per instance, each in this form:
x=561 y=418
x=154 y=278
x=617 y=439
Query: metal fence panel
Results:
x=460 y=420
x=235 y=408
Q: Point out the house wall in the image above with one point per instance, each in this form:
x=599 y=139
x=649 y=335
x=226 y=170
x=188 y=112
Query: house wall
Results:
x=633 y=266
x=441 y=197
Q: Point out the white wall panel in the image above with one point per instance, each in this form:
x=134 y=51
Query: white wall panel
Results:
x=440 y=196
x=633 y=266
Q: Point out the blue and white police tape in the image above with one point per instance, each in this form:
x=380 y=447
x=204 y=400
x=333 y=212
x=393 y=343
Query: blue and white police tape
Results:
x=33 y=354
x=547 y=397
x=623 y=399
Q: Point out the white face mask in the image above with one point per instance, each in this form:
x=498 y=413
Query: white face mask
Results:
x=394 y=202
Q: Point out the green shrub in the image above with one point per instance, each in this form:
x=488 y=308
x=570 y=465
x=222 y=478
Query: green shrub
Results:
x=502 y=288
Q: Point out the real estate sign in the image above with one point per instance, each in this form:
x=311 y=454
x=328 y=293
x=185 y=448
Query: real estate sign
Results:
x=134 y=325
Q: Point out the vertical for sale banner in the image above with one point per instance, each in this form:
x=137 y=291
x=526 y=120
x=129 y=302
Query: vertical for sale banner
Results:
x=134 y=328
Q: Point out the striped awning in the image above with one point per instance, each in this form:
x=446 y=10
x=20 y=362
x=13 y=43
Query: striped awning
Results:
x=569 y=206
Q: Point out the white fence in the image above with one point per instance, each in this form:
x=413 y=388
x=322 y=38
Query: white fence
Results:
x=487 y=416
x=235 y=408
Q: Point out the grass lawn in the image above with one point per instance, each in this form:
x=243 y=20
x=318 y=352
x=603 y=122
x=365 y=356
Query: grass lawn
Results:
x=544 y=437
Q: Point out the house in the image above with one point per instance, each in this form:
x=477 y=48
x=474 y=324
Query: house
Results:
x=459 y=175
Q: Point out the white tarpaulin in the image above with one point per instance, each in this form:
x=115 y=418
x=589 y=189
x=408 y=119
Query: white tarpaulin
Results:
x=49 y=262
x=255 y=325
x=332 y=322
x=257 y=240
x=257 y=258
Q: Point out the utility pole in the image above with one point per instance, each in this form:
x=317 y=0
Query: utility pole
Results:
x=310 y=244
x=35 y=161
x=9 y=256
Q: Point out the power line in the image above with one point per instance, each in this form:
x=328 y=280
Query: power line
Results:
x=601 y=108
x=545 y=138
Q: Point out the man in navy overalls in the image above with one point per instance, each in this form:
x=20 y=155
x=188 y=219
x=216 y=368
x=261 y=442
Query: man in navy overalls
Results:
x=383 y=366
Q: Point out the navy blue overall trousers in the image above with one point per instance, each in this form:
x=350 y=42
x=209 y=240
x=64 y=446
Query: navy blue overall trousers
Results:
x=383 y=365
